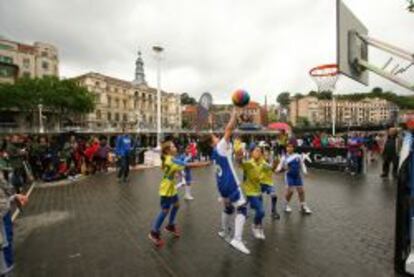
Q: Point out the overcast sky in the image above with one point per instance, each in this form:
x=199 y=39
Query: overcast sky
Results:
x=265 y=47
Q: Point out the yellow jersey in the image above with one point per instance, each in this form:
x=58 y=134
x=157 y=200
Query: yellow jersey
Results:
x=171 y=167
x=266 y=174
x=252 y=177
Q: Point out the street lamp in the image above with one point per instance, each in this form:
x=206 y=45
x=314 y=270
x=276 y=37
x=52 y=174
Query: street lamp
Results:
x=41 y=129
x=158 y=50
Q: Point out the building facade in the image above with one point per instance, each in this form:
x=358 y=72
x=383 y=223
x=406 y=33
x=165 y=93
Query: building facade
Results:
x=220 y=116
x=131 y=105
x=369 y=111
x=23 y=60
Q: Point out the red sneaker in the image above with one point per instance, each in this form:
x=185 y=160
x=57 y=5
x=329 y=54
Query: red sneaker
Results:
x=156 y=239
x=173 y=230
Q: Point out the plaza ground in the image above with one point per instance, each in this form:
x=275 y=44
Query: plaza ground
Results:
x=98 y=227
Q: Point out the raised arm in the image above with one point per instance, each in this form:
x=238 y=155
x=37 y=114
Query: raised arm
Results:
x=280 y=165
x=231 y=125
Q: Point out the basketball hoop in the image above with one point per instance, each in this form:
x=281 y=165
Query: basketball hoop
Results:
x=325 y=76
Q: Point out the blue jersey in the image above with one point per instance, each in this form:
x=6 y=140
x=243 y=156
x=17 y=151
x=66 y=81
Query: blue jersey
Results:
x=227 y=181
x=293 y=164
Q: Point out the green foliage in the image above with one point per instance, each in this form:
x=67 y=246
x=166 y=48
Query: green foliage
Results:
x=60 y=96
x=187 y=99
x=283 y=99
x=303 y=122
x=272 y=117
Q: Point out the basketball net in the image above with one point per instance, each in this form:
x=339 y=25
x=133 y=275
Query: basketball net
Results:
x=325 y=77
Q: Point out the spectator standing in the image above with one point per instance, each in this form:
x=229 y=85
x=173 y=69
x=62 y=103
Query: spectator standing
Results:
x=16 y=154
x=123 y=149
x=390 y=153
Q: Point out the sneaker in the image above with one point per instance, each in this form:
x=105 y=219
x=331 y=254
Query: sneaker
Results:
x=275 y=215
x=225 y=235
x=305 y=209
x=256 y=232
x=188 y=197
x=156 y=239
x=288 y=209
x=262 y=235
x=239 y=245
x=173 y=230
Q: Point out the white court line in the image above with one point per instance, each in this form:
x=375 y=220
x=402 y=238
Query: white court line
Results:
x=17 y=212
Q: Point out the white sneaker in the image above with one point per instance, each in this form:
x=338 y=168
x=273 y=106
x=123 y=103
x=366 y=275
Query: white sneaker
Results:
x=188 y=197
x=288 y=209
x=239 y=245
x=262 y=235
x=305 y=209
x=256 y=233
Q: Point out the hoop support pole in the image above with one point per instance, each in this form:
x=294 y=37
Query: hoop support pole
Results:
x=386 y=74
x=384 y=46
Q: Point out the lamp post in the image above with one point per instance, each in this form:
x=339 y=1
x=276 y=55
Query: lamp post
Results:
x=41 y=129
x=158 y=50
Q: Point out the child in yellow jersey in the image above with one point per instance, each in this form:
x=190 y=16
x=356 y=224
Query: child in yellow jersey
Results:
x=168 y=192
x=267 y=185
x=252 y=169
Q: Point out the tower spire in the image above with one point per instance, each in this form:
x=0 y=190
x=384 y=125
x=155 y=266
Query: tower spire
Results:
x=139 y=71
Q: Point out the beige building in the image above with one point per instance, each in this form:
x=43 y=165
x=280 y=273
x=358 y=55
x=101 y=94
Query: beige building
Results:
x=22 y=60
x=319 y=112
x=132 y=104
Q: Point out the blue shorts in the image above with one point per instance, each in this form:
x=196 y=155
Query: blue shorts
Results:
x=6 y=254
x=268 y=189
x=236 y=197
x=167 y=201
x=294 y=181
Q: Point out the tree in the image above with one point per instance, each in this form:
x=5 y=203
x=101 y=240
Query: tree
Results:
x=62 y=97
x=272 y=117
x=187 y=99
x=283 y=99
x=303 y=122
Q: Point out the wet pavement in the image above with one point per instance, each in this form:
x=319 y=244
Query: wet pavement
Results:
x=98 y=227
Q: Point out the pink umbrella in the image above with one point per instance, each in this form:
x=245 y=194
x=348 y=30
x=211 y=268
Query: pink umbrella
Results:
x=279 y=126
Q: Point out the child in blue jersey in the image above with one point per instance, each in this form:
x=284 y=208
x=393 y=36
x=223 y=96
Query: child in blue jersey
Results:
x=228 y=185
x=168 y=192
x=293 y=164
x=186 y=176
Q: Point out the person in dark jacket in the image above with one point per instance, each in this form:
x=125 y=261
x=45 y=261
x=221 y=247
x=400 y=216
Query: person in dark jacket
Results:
x=122 y=149
x=390 y=153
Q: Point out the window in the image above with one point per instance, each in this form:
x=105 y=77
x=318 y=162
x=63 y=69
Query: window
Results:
x=125 y=117
x=45 y=65
x=26 y=74
x=26 y=62
x=6 y=59
x=117 y=117
x=43 y=54
x=116 y=103
x=97 y=83
x=109 y=116
x=98 y=114
x=109 y=101
x=125 y=104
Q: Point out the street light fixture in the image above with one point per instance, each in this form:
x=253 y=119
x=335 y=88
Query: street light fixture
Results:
x=158 y=50
x=41 y=128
